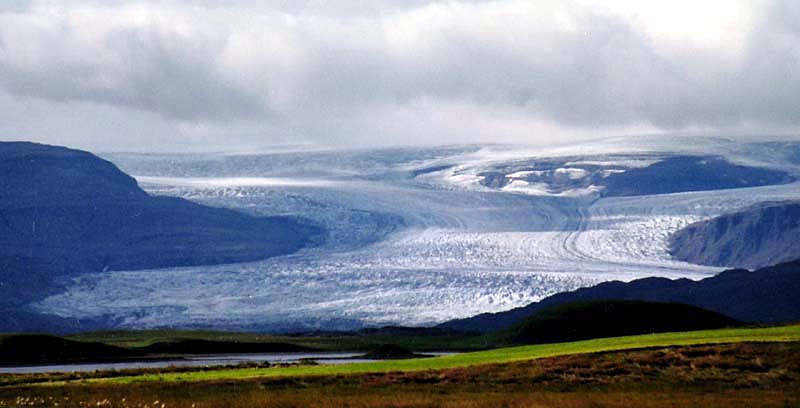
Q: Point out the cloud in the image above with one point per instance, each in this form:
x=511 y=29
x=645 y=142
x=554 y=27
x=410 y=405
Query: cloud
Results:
x=127 y=58
x=401 y=72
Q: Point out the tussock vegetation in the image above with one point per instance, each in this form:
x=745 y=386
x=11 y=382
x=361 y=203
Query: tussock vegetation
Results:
x=743 y=374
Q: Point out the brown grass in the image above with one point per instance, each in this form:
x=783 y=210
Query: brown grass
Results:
x=752 y=375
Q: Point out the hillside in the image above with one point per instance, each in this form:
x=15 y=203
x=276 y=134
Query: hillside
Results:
x=64 y=212
x=612 y=176
x=689 y=173
x=44 y=349
x=767 y=295
x=761 y=235
x=608 y=318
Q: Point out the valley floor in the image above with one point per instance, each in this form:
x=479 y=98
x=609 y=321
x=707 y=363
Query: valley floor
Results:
x=742 y=374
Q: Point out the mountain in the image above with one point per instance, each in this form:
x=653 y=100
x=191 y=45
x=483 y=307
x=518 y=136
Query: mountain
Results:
x=761 y=235
x=608 y=318
x=689 y=173
x=65 y=212
x=767 y=295
x=619 y=176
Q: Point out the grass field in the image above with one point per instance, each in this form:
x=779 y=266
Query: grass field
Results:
x=504 y=355
x=761 y=374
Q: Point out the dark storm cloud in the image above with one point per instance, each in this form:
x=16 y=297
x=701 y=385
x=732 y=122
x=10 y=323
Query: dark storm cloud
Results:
x=344 y=71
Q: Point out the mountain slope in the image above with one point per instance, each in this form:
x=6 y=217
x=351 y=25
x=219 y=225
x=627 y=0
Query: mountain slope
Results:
x=767 y=295
x=762 y=235
x=608 y=318
x=689 y=173
x=65 y=212
x=44 y=349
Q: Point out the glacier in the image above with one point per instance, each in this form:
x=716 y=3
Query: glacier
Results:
x=417 y=236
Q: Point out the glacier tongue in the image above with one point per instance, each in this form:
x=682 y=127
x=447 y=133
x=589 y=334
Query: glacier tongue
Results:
x=406 y=245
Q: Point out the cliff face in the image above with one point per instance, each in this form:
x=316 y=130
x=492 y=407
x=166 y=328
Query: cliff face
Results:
x=64 y=212
x=758 y=236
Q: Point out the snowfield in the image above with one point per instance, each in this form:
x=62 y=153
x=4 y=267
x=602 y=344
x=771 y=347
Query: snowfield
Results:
x=416 y=236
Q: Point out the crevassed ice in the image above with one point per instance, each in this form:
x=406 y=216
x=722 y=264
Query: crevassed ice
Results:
x=402 y=250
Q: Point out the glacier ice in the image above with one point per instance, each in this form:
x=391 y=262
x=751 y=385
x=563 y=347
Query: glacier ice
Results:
x=415 y=236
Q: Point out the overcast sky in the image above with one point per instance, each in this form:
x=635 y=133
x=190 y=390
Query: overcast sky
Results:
x=212 y=74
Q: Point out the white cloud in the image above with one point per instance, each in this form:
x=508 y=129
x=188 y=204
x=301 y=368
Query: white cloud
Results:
x=215 y=72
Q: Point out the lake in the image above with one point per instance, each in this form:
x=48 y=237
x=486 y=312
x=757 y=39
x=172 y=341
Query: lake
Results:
x=193 y=361
x=201 y=361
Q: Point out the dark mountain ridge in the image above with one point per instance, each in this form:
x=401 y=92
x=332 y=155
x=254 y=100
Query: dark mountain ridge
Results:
x=666 y=175
x=764 y=234
x=39 y=175
x=690 y=173
x=64 y=212
x=25 y=349
x=583 y=320
x=767 y=295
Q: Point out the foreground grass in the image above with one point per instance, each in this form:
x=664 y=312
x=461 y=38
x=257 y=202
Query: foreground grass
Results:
x=709 y=376
x=504 y=355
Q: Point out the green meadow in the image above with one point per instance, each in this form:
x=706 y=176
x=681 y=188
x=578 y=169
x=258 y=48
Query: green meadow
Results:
x=503 y=355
